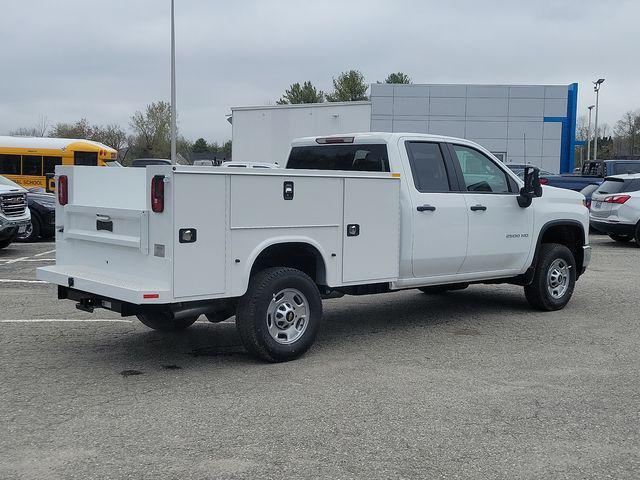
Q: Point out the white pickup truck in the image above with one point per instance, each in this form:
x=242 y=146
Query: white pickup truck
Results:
x=355 y=214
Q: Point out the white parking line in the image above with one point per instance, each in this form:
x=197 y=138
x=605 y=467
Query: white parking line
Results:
x=12 y=280
x=42 y=254
x=66 y=320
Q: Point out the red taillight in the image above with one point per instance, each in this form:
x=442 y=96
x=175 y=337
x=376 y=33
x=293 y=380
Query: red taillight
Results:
x=617 y=198
x=63 y=190
x=157 y=194
x=587 y=203
x=544 y=181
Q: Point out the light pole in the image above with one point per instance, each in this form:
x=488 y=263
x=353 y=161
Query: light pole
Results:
x=596 y=88
x=173 y=87
x=590 y=107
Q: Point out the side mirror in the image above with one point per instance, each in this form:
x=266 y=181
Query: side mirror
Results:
x=532 y=187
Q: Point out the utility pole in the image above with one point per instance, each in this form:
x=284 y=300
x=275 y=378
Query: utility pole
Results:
x=596 y=88
x=590 y=107
x=173 y=87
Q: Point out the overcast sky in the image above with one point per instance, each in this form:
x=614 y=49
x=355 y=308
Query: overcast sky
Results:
x=105 y=59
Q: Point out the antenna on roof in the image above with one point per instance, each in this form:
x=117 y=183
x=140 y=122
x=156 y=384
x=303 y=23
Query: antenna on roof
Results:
x=524 y=146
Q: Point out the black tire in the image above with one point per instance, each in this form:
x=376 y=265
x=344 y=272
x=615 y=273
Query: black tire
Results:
x=6 y=242
x=618 y=237
x=637 y=235
x=439 y=289
x=33 y=231
x=537 y=292
x=252 y=319
x=163 y=321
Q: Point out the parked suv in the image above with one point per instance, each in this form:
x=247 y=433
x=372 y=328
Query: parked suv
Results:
x=615 y=207
x=14 y=214
x=42 y=206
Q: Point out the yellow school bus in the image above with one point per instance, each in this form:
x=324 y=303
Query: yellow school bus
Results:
x=31 y=161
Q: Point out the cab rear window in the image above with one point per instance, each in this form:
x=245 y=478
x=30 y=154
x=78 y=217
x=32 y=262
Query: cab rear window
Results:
x=359 y=158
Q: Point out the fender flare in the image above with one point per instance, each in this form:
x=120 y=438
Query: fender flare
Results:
x=528 y=275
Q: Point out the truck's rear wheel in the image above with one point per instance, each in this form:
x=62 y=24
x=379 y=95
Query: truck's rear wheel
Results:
x=163 y=321
x=279 y=316
x=554 y=278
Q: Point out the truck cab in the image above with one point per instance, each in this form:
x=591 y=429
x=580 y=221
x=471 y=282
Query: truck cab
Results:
x=353 y=214
x=14 y=214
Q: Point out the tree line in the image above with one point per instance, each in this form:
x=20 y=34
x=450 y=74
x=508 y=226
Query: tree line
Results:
x=620 y=141
x=149 y=135
x=349 y=86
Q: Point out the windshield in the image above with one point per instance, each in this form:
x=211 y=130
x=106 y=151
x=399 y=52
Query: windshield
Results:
x=8 y=183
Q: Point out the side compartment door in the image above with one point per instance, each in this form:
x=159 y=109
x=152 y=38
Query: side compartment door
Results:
x=500 y=231
x=199 y=203
x=439 y=213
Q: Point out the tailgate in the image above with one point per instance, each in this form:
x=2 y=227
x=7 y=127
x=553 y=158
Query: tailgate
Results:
x=103 y=235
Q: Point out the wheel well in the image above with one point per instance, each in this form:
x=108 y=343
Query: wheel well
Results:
x=569 y=235
x=298 y=255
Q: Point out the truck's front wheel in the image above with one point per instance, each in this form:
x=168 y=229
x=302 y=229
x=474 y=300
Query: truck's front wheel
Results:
x=163 y=321
x=279 y=316
x=554 y=278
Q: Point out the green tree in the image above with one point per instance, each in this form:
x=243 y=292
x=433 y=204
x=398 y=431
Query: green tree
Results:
x=111 y=135
x=200 y=146
x=306 y=93
x=398 y=77
x=349 y=87
x=225 y=150
x=152 y=129
x=79 y=129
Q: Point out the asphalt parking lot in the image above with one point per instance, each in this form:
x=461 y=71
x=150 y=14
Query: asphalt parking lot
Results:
x=472 y=384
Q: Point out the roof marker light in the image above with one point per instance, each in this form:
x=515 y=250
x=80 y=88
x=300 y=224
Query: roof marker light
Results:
x=330 y=140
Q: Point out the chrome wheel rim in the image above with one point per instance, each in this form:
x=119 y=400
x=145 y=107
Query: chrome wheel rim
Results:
x=287 y=316
x=558 y=278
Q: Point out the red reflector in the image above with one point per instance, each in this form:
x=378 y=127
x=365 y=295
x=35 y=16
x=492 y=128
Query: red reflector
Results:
x=617 y=198
x=157 y=194
x=544 y=181
x=327 y=140
x=151 y=295
x=63 y=190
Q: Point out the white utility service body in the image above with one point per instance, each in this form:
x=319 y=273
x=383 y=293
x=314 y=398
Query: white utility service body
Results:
x=435 y=211
x=236 y=213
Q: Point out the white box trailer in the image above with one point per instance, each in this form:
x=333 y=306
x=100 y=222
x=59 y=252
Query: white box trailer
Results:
x=223 y=220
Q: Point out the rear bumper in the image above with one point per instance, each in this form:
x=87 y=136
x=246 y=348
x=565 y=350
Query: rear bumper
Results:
x=106 y=284
x=613 y=228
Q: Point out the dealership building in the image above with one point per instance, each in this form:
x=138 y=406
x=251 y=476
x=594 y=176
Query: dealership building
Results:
x=532 y=124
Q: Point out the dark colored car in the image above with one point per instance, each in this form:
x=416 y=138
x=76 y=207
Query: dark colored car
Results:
x=593 y=173
x=143 y=162
x=43 y=215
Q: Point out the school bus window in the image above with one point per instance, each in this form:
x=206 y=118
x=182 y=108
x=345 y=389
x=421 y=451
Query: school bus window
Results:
x=10 y=164
x=50 y=164
x=31 y=165
x=86 y=158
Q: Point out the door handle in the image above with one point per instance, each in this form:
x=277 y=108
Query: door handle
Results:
x=475 y=208
x=428 y=208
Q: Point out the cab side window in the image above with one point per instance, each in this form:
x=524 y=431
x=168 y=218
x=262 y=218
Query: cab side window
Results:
x=480 y=173
x=428 y=167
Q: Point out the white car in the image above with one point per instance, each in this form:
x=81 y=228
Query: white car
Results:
x=615 y=207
